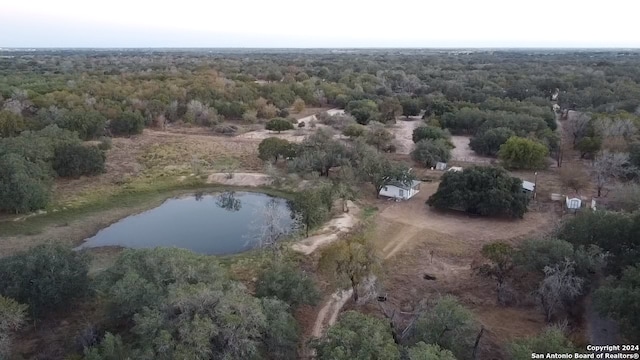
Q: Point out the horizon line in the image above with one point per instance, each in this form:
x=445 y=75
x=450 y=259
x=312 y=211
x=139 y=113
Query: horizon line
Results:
x=327 y=47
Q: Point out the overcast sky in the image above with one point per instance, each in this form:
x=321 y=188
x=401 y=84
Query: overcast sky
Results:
x=320 y=23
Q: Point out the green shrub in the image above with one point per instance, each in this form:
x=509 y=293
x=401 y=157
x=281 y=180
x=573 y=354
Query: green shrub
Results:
x=353 y=130
x=552 y=340
x=287 y=283
x=274 y=148
x=105 y=143
x=357 y=336
x=422 y=351
x=279 y=124
x=481 y=190
x=46 y=277
x=429 y=152
x=24 y=186
x=10 y=124
x=447 y=316
x=521 y=153
x=127 y=123
x=430 y=133
x=88 y=124
x=489 y=142
x=78 y=160
x=12 y=317
x=620 y=300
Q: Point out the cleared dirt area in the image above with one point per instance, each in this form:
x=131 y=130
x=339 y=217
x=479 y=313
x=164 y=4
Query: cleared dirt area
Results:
x=428 y=253
x=463 y=152
x=240 y=179
x=403 y=132
x=297 y=134
x=474 y=230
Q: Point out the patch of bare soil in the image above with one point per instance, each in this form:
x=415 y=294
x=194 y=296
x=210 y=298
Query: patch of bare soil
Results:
x=328 y=314
x=474 y=231
x=308 y=112
x=296 y=135
x=428 y=253
x=240 y=179
x=330 y=231
x=403 y=132
x=428 y=269
x=462 y=152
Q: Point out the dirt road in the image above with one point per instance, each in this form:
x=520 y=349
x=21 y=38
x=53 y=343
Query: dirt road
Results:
x=330 y=231
x=329 y=312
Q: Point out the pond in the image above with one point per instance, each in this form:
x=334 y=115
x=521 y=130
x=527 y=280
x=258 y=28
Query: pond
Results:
x=216 y=224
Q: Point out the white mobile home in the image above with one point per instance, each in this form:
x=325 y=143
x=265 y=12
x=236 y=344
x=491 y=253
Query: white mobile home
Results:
x=401 y=191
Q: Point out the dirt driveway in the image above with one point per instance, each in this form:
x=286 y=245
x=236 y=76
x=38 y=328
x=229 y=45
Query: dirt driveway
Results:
x=412 y=219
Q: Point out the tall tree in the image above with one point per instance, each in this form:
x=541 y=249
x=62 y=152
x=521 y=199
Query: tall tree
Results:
x=560 y=288
x=551 y=340
x=410 y=107
x=422 y=351
x=481 y=190
x=390 y=109
x=285 y=281
x=376 y=169
x=521 y=153
x=357 y=337
x=430 y=152
x=578 y=126
x=273 y=148
x=46 y=277
x=11 y=124
x=12 y=317
x=489 y=142
x=620 y=299
x=447 y=323
x=431 y=133
x=607 y=167
x=279 y=125
x=378 y=136
x=24 y=186
x=350 y=260
x=308 y=205
x=501 y=264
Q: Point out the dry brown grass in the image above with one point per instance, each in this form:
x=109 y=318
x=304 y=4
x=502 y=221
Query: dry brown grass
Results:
x=415 y=240
x=160 y=154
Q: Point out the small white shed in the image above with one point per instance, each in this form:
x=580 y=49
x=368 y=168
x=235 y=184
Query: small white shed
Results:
x=528 y=187
x=401 y=191
x=574 y=203
x=442 y=166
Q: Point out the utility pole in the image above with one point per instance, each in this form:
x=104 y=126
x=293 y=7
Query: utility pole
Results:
x=535 y=184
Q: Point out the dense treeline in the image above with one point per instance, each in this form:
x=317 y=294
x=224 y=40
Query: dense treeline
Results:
x=174 y=304
x=205 y=88
x=562 y=269
x=489 y=95
x=170 y=303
